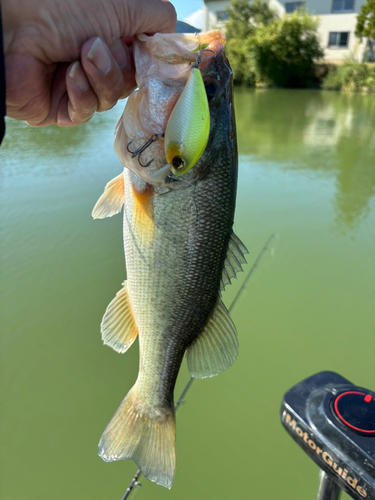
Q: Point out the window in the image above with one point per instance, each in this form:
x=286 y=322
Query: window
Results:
x=292 y=6
x=343 y=6
x=338 y=40
x=222 y=16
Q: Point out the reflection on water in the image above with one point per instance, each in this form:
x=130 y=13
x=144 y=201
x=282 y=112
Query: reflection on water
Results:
x=36 y=151
x=302 y=130
x=306 y=169
x=318 y=131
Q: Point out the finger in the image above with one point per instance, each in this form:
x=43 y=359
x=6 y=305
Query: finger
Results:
x=27 y=97
x=127 y=70
x=57 y=91
x=111 y=78
x=149 y=16
x=81 y=102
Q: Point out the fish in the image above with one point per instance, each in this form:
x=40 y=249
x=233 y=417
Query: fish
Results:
x=180 y=248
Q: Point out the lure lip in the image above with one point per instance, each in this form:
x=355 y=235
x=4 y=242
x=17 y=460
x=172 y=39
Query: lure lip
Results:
x=159 y=176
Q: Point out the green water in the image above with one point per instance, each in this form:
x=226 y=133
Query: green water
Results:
x=307 y=173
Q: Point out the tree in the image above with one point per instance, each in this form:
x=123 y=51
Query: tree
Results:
x=366 y=25
x=264 y=48
x=244 y=18
x=284 y=51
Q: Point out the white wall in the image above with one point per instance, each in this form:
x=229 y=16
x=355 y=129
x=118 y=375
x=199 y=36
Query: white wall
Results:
x=209 y=13
x=337 y=23
x=320 y=7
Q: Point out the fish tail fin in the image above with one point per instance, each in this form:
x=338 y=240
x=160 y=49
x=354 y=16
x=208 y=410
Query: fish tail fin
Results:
x=146 y=434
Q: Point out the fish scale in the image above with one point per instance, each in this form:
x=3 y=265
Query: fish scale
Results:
x=180 y=252
x=195 y=276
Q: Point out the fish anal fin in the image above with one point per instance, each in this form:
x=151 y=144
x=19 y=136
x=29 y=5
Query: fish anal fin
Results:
x=111 y=201
x=216 y=347
x=146 y=435
x=118 y=327
x=234 y=260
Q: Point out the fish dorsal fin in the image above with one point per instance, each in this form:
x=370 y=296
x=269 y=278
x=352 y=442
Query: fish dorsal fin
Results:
x=118 y=326
x=216 y=348
x=234 y=260
x=111 y=201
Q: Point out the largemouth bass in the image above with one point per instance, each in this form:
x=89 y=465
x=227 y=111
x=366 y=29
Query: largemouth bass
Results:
x=179 y=245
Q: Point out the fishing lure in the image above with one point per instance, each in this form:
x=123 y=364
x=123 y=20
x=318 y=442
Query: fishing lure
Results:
x=187 y=130
x=188 y=126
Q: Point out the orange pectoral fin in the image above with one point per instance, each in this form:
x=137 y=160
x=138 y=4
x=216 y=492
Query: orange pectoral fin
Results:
x=143 y=213
x=111 y=201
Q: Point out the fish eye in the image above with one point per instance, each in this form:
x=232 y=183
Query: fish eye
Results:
x=211 y=90
x=178 y=162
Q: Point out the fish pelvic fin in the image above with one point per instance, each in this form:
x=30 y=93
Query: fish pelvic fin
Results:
x=118 y=326
x=234 y=261
x=145 y=434
x=111 y=201
x=216 y=348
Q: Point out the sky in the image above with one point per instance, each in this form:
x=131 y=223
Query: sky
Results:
x=190 y=12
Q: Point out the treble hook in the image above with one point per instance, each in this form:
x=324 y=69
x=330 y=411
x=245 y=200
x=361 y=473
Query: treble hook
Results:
x=140 y=150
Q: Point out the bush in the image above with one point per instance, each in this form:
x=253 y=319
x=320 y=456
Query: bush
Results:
x=351 y=77
x=244 y=19
x=284 y=51
x=266 y=49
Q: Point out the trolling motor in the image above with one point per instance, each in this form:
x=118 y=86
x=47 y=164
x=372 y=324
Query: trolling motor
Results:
x=333 y=421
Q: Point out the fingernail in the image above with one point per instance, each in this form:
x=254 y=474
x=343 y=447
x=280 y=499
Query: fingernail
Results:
x=78 y=76
x=99 y=56
x=120 y=53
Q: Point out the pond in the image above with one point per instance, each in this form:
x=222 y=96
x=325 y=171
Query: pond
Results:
x=307 y=175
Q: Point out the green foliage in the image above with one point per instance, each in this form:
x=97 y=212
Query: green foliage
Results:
x=366 y=27
x=366 y=21
x=284 y=50
x=244 y=18
x=351 y=77
x=266 y=49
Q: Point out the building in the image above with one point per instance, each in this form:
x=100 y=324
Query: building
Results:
x=337 y=18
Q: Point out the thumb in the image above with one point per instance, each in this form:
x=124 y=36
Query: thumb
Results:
x=146 y=16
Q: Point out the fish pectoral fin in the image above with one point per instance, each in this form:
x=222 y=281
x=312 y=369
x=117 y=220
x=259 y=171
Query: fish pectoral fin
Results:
x=145 y=434
x=111 y=201
x=216 y=348
x=118 y=327
x=234 y=260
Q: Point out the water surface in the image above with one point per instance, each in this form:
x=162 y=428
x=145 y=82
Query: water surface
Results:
x=306 y=174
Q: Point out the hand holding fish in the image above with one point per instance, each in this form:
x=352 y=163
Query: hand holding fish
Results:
x=66 y=60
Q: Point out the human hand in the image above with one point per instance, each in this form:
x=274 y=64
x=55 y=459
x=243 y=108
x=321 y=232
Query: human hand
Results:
x=64 y=60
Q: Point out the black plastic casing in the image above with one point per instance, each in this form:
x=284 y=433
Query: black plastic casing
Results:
x=344 y=454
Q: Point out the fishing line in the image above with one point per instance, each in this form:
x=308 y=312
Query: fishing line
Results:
x=134 y=481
